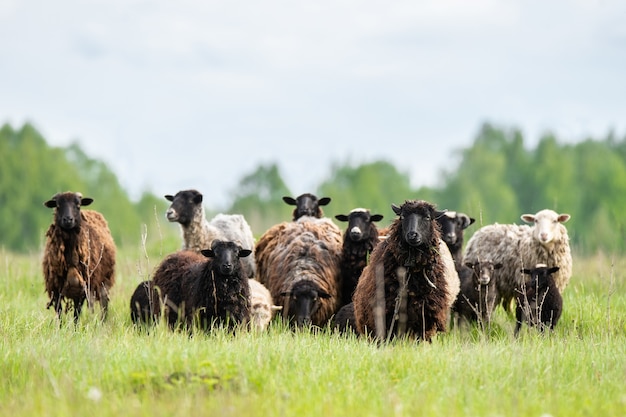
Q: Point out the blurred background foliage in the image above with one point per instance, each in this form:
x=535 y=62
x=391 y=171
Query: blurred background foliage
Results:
x=496 y=179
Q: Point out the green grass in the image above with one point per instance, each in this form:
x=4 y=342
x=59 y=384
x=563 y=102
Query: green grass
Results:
x=111 y=368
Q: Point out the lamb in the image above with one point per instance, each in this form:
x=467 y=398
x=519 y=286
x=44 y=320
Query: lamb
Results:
x=299 y=262
x=198 y=233
x=404 y=288
x=344 y=321
x=452 y=225
x=477 y=298
x=359 y=238
x=145 y=305
x=262 y=307
x=79 y=255
x=539 y=302
x=210 y=292
x=307 y=204
x=522 y=246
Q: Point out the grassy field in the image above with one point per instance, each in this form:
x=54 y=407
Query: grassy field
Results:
x=112 y=369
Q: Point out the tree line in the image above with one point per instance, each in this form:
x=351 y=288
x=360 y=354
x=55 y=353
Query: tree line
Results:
x=496 y=179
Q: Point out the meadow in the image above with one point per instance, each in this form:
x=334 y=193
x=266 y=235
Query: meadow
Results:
x=112 y=368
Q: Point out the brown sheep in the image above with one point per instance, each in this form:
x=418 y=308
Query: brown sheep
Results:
x=404 y=289
x=79 y=255
x=299 y=263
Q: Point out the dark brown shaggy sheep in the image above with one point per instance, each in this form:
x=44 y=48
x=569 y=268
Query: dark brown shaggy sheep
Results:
x=477 y=298
x=404 y=290
x=210 y=292
x=307 y=204
x=145 y=305
x=539 y=301
x=299 y=263
x=79 y=255
x=359 y=239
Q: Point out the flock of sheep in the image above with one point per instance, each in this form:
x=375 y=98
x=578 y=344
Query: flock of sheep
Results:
x=411 y=279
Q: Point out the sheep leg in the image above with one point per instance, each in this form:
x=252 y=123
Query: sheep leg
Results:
x=104 y=301
x=78 y=306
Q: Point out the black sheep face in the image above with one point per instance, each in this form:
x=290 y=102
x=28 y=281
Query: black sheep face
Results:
x=539 y=275
x=418 y=221
x=226 y=256
x=359 y=223
x=306 y=205
x=184 y=205
x=67 y=205
x=482 y=272
x=452 y=225
x=303 y=302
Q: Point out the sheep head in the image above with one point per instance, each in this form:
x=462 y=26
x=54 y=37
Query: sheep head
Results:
x=359 y=223
x=184 y=206
x=226 y=256
x=417 y=219
x=67 y=209
x=307 y=205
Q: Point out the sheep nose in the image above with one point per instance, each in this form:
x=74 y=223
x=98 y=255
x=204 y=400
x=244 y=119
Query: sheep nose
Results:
x=412 y=237
x=67 y=222
x=170 y=214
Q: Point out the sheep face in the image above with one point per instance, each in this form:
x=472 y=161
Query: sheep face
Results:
x=307 y=205
x=417 y=219
x=67 y=205
x=303 y=301
x=225 y=256
x=539 y=275
x=359 y=221
x=184 y=205
x=546 y=225
x=452 y=225
x=482 y=271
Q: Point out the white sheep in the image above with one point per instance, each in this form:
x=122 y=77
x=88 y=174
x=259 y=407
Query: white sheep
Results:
x=199 y=233
x=262 y=306
x=522 y=246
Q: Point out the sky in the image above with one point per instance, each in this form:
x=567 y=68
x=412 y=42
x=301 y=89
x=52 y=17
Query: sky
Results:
x=199 y=93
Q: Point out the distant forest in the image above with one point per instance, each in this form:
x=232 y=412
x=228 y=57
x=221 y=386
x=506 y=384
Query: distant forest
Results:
x=496 y=179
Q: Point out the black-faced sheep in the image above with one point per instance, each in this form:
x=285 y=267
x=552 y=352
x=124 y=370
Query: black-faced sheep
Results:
x=145 y=305
x=299 y=263
x=359 y=238
x=307 y=204
x=521 y=246
x=211 y=292
x=79 y=255
x=404 y=289
x=539 y=302
x=452 y=225
x=198 y=233
x=477 y=298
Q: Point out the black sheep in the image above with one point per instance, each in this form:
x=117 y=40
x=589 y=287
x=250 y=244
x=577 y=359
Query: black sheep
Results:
x=307 y=204
x=452 y=225
x=211 y=292
x=359 y=239
x=145 y=306
x=539 y=302
x=408 y=265
x=477 y=298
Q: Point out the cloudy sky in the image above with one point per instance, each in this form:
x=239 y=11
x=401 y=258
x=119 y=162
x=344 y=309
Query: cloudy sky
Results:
x=198 y=93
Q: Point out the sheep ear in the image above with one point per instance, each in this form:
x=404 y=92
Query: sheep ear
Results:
x=208 y=253
x=563 y=218
x=553 y=269
x=244 y=253
x=376 y=217
x=528 y=218
x=527 y=271
x=396 y=209
x=498 y=265
x=466 y=220
x=169 y=197
x=438 y=214
x=85 y=201
x=323 y=201
x=52 y=203
x=323 y=295
x=469 y=265
x=290 y=200
x=342 y=217
x=197 y=199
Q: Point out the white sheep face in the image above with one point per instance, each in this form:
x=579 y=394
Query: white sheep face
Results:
x=546 y=225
